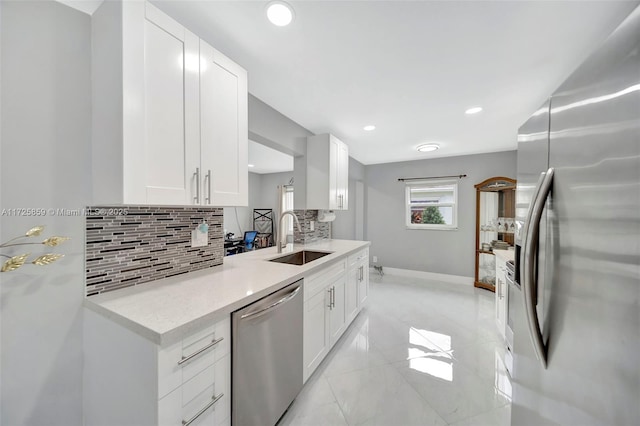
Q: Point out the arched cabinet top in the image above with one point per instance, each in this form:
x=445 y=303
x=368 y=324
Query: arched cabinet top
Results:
x=498 y=183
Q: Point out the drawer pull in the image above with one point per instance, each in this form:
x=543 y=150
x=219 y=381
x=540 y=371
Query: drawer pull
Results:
x=195 y=354
x=201 y=412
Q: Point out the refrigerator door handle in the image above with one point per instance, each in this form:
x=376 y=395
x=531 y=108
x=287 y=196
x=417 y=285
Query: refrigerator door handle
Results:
x=529 y=286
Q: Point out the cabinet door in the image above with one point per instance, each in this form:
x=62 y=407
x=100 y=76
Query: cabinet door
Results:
x=363 y=283
x=223 y=129
x=351 y=293
x=166 y=153
x=334 y=161
x=343 y=177
x=337 y=312
x=316 y=336
x=501 y=287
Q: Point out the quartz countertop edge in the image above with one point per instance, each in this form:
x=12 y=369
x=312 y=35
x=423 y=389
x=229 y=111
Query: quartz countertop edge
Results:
x=505 y=255
x=164 y=311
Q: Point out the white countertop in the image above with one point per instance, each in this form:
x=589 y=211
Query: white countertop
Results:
x=505 y=255
x=164 y=311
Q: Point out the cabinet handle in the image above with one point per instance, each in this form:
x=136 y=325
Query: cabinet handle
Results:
x=528 y=259
x=333 y=297
x=195 y=354
x=207 y=178
x=196 y=175
x=330 y=298
x=214 y=399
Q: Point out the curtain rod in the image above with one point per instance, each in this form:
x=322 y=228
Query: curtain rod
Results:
x=431 y=177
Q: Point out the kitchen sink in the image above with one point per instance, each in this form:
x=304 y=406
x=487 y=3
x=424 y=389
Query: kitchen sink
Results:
x=300 y=257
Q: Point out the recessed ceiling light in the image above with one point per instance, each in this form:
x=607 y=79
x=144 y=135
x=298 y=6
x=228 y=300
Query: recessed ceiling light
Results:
x=369 y=128
x=428 y=147
x=279 y=13
x=251 y=165
x=473 y=110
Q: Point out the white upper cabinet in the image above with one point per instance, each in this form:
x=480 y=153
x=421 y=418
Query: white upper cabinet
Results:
x=169 y=152
x=168 y=128
x=223 y=128
x=327 y=173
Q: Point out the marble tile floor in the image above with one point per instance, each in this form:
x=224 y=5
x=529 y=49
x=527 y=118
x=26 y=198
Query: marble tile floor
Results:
x=421 y=353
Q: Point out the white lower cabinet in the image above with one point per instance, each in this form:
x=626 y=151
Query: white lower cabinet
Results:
x=316 y=339
x=363 y=283
x=501 y=296
x=322 y=323
x=337 y=312
x=200 y=400
x=357 y=283
x=129 y=380
x=351 y=293
x=359 y=264
x=333 y=298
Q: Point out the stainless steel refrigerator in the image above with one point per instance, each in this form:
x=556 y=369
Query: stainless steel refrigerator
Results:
x=574 y=309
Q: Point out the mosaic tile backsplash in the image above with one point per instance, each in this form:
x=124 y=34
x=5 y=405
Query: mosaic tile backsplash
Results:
x=147 y=244
x=322 y=230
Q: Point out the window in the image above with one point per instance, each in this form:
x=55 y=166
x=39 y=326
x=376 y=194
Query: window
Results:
x=432 y=204
x=286 y=197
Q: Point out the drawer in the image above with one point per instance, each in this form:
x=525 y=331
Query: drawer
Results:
x=356 y=258
x=197 y=341
x=194 y=400
x=319 y=280
x=181 y=361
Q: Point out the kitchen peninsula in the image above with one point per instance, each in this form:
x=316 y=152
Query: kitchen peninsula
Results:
x=138 y=338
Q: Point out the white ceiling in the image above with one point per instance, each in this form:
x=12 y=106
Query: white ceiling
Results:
x=409 y=67
x=267 y=160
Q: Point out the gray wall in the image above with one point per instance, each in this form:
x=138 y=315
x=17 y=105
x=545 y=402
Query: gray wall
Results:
x=45 y=163
x=269 y=127
x=269 y=189
x=269 y=193
x=445 y=252
x=245 y=214
x=262 y=195
x=344 y=226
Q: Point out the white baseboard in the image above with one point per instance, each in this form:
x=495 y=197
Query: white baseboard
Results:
x=454 y=279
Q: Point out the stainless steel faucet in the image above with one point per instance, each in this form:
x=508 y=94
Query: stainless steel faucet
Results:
x=279 y=231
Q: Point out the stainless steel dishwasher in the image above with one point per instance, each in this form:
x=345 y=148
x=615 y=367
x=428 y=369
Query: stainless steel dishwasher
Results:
x=266 y=365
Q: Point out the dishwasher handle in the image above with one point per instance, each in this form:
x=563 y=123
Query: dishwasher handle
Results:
x=273 y=305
